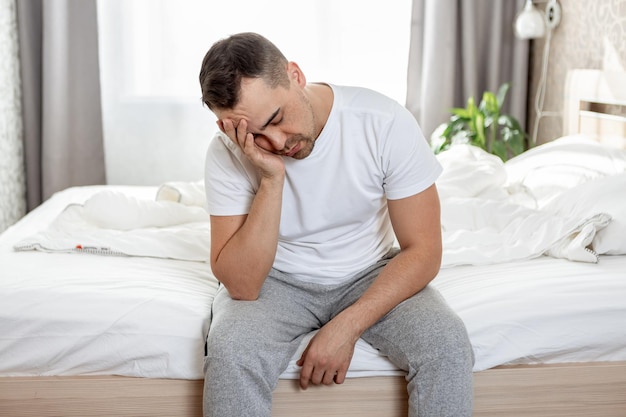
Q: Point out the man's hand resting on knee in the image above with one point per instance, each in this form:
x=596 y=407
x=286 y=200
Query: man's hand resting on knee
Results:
x=327 y=357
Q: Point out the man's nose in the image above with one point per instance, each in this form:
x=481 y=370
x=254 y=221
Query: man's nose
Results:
x=276 y=139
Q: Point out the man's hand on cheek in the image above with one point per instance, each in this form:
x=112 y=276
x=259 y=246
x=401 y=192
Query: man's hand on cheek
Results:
x=232 y=129
x=269 y=164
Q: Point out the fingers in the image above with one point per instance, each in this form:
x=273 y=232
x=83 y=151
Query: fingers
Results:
x=236 y=133
x=316 y=376
x=242 y=133
x=305 y=375
x=319 y=373
x=340 y=377
x=227 y=127
x=325 y=360
x=327 y=377
x=239 y=135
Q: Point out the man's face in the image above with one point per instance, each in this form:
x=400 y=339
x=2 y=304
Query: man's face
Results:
x=282 y=120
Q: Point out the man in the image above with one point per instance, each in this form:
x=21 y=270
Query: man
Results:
x=306 y=184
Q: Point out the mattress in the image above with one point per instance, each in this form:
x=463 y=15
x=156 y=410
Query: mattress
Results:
x=93 y=314
x=90 y=314
x=538 y=311
x=83 y=314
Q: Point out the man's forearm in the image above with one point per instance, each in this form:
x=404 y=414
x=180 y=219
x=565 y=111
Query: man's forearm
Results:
x=245 y=260
x=330 y=351
x=404 y=276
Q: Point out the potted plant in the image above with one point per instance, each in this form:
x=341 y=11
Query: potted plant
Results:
x=484 y=126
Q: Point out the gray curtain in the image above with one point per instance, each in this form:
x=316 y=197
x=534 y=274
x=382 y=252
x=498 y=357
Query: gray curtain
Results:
x=459 y=49
x=62 y=118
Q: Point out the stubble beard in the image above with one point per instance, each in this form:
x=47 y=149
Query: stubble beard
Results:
x=307 y=141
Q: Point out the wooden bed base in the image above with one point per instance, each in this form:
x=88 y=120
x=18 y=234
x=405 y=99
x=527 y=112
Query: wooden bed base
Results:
x=572 y=390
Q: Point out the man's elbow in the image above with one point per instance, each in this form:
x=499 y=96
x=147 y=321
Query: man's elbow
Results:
x=238 y=288
x=435 y=262
x=427 y=261
x=244 y=295
x=241 y=291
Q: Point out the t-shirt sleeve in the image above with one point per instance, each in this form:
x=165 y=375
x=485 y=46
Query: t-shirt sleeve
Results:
x=409 y=165
x=230 y=180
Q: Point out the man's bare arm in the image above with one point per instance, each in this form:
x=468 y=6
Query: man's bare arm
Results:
x=243 y=248
x=416 y=221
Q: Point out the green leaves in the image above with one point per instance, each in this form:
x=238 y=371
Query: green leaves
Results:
x=483 y=126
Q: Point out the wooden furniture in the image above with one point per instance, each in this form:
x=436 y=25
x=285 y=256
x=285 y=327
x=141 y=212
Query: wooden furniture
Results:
x=568 y=390
x=595 y=104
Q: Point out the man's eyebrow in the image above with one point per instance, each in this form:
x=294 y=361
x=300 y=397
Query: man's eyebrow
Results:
x=270 y=119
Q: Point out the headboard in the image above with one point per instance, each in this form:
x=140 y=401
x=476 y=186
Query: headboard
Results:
x=595 y=104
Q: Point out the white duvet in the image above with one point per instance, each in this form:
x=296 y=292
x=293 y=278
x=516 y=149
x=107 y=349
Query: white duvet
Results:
x=493 y=212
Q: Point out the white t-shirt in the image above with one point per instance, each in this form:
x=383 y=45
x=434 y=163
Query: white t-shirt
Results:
x=334 y=221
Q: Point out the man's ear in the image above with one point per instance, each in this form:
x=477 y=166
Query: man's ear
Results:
x=295 y=73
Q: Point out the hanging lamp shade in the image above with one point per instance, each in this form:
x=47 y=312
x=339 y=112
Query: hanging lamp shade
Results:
x=530 y=23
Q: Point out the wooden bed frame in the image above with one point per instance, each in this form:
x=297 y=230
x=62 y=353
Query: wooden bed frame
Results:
x=595 y=104
x=572 y=390
x=568 y=390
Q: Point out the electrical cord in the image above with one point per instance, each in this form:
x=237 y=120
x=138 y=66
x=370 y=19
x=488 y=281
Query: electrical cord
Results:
x=553 y=17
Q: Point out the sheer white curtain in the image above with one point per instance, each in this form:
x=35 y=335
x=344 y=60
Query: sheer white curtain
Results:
x=155 y=127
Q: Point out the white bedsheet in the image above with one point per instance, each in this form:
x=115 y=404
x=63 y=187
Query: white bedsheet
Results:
x=73 y=312
x=544 y=310
x=539 y=311
x=69 y=314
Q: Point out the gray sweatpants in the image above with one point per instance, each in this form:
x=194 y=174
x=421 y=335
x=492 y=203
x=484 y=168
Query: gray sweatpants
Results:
x=250 y=343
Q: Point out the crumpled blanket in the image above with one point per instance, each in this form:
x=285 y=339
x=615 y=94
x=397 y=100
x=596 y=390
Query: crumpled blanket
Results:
x=484 y=220
x=113 y=223
x=478 y=232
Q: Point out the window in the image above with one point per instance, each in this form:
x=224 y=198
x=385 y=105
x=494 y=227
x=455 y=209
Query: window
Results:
x=156 y=129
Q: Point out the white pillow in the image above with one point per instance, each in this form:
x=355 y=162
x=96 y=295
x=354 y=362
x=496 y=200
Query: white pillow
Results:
x=187 y=193
x=603 y=195
x=552 y=168
x=469 y=171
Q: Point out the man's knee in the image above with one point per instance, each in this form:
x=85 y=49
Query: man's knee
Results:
x=454 y=342
x=436 y=329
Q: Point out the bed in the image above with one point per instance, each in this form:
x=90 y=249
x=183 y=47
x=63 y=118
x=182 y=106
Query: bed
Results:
x=105 y=314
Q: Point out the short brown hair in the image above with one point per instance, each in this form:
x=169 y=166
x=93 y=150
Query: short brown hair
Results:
x=244 y=55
